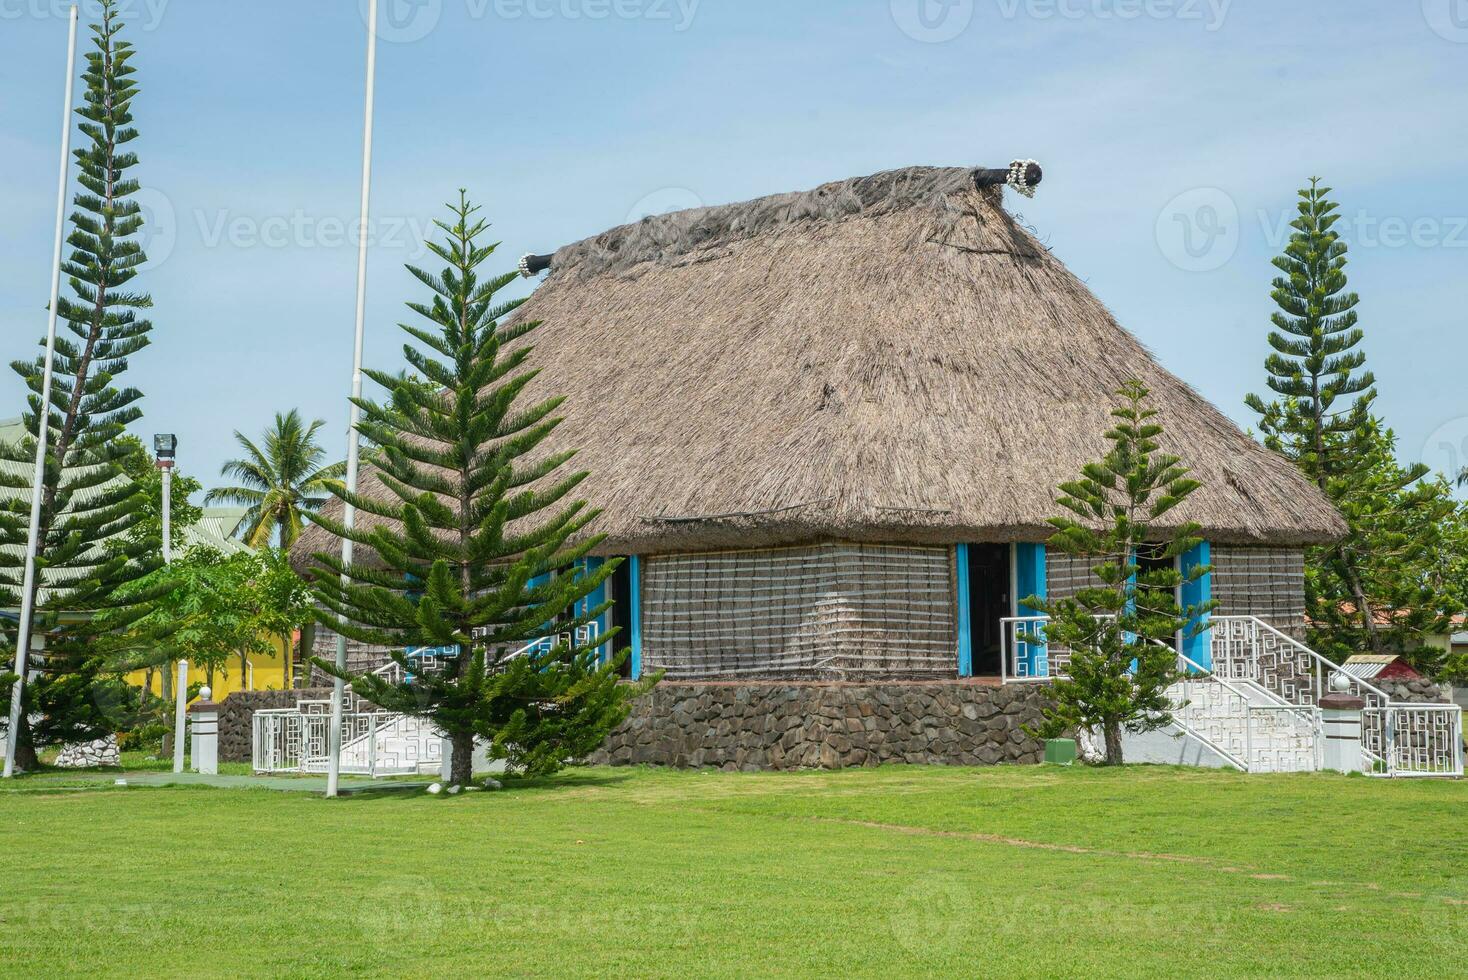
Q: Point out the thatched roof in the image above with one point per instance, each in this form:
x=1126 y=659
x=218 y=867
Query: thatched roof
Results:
x=886 y=358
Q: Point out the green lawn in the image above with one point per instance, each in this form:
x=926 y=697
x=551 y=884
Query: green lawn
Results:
x=890 y=872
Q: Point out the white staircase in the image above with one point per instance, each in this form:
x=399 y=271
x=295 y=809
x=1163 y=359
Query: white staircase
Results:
x=1248 y=726
x=1257 y=708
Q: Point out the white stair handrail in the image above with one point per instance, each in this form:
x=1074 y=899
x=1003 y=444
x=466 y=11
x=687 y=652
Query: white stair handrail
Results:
x=1322 y=661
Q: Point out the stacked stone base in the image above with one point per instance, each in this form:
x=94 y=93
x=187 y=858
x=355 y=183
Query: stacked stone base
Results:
x=1418 y=690
x=85 y=755
x=754 y=726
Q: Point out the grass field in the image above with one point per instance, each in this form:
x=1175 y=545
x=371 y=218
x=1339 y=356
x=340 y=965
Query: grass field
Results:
x=891 y=872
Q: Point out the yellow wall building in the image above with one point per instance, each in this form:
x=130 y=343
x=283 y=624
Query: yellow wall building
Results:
x=263 y=672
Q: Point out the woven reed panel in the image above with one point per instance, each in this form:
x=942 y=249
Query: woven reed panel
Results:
x=1065 y=575
x=831 y=610
x=361 y=658
x=1259 y=581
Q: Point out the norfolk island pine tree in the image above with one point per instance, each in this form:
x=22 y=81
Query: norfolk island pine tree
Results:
x=476 y=540
x=1120 y=668
x=1380 y=587
x=83 y=502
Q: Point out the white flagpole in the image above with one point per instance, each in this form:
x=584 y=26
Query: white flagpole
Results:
x=349 y=513
x=43 y=428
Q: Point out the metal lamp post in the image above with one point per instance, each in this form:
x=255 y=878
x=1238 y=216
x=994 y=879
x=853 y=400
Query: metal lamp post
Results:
x=43 y=427
x=165 y=449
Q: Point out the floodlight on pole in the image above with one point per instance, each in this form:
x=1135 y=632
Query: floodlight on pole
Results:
x=43 y=419
x=349 y=513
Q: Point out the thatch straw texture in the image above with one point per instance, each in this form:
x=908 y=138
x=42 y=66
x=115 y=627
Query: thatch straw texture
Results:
x=888 y=358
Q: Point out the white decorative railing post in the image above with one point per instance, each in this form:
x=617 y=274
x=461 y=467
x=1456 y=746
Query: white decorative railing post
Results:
x=1341 y=721
x=204 y=732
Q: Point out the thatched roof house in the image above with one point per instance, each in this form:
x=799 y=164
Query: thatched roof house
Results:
x=865 y=379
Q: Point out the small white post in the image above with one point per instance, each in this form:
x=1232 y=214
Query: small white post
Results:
x=204 y=734
x=43 y=426
x=1340 y=720
x=181 y=700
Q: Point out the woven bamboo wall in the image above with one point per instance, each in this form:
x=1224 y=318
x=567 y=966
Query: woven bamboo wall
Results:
x=1065 y=575
x=1261 y=581
x=830 y=610
x=361 y=658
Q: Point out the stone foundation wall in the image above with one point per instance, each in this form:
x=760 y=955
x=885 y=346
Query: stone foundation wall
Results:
x=237 y=714
x=1415 y=691
x=752 y=726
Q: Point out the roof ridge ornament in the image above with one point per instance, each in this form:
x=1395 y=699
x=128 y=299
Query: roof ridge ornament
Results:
x=532 y=265
x=1023 y=175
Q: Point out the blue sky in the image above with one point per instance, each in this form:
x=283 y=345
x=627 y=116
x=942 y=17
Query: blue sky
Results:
x=1174 y=134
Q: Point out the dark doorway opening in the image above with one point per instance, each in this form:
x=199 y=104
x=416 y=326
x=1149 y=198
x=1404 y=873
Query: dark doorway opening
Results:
x=1152 y=558
x=988 y=602
x=620 y=592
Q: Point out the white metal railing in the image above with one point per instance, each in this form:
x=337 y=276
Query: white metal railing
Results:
x=1417 y=739
x=1248 y=648
x=374 y=743
x=1023 y=653
x=582 y=636
x=1255 y=662
x=1026 y=655
x=1268 y=737
x=1397 y=739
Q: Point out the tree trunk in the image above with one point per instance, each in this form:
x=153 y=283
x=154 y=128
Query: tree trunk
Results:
x=1112 y=732
x=26 y=759
x=1363 y=604
x=166 y=749
x=461 y=765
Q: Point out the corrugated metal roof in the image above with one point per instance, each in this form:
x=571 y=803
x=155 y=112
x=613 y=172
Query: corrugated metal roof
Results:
x=1367 y=665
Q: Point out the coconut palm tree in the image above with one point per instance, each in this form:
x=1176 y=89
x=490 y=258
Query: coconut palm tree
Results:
x=282 y=485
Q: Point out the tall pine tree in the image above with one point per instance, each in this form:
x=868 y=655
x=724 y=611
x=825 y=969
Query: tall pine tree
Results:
x=1375 y=588
x=1117 y=630
x=478 y=543
x=1316 y=364
x=88 y=506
